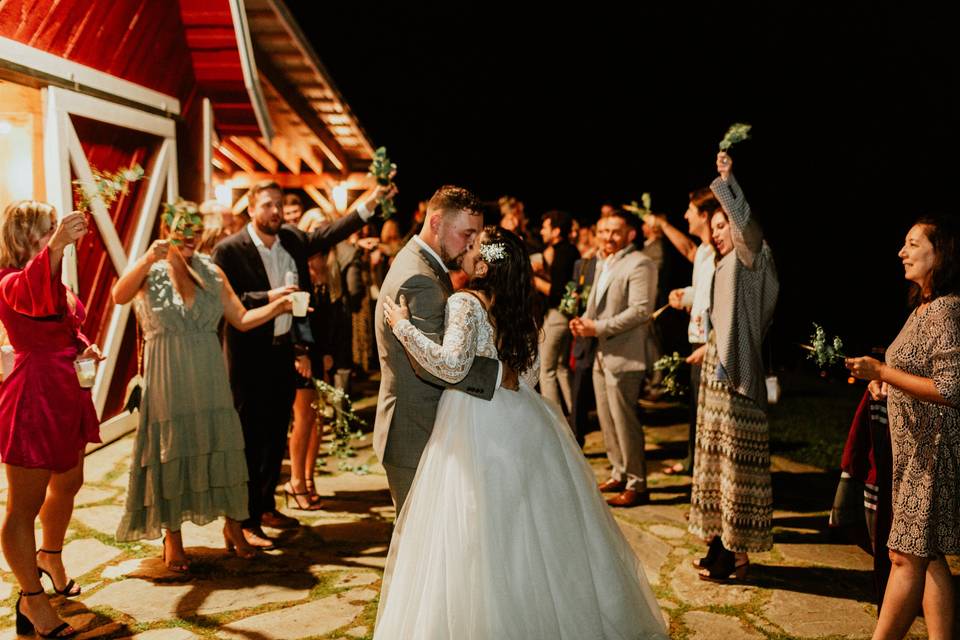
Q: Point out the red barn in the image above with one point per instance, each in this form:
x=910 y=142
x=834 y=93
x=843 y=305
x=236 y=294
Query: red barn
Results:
x=207 y=95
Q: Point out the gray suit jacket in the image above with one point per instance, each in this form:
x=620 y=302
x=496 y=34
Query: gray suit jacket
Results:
x=409 y=394
x=623 y=313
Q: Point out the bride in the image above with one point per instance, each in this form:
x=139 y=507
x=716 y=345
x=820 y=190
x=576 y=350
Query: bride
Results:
x=504 y=534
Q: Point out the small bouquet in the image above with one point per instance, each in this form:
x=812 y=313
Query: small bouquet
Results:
x=670 y=365
x=334 y=404
x=383 y=171
x=106 y=186
x=825 y=351
x=574 y=300
x=641 y=210
x=737 y=132
x=182 y=218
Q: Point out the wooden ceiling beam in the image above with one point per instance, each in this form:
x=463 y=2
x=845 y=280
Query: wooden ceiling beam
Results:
x=237 y=156
x=320 y=198
x=243 y=180
x=257 y=152
x=291 y=94
x=226 y=164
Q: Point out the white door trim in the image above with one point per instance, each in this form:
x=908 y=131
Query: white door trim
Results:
x=62 y=150
x=22 y=55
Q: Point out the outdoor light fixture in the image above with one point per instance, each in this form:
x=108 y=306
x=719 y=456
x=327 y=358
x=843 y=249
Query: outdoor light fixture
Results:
x=340 y=197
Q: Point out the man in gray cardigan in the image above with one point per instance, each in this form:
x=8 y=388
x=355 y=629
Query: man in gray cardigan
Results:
x=407 y=406
x=618 y=314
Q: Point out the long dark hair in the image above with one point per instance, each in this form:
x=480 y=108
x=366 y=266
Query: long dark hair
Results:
x=508 y=285
x=943 y=232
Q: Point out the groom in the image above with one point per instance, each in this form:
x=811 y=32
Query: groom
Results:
x=409 y=394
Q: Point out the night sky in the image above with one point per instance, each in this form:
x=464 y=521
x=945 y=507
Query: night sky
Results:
x=854 y=107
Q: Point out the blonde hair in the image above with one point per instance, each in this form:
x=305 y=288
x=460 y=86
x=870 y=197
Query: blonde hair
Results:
x=22 y=225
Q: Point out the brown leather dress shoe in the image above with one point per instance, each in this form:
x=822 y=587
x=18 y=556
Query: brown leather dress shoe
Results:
x=612 y=486
x=277 y=520
x=630 y=498
x=257 y=538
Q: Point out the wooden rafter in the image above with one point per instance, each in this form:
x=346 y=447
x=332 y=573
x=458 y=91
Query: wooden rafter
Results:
x=304 y=111
x=253 y=149
x=237 y=156
x=320 y=198
x=241 y=180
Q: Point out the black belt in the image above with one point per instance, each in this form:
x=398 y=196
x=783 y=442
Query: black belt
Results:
x=282 y=340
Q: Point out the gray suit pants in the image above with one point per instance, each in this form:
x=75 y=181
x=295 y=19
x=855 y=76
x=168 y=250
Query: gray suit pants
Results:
x=617 y=396
x=555 y=376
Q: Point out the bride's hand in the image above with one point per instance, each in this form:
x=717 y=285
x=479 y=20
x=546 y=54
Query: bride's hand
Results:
x=393 y=312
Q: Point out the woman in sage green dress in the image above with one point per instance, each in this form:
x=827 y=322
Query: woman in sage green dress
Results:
x=188 y=461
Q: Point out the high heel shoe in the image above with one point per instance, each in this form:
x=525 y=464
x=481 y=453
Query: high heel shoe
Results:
x=25 y=627
x=71 y=590
x=726 y=569
x=301 y=500
x=713 y=550
x=232 y=547
x=312 y=490
x=176 y=568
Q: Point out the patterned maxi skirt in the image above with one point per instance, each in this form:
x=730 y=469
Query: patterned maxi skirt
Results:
x=731 y=495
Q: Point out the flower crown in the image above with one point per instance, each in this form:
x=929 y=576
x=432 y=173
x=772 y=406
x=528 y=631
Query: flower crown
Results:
x=493 y=252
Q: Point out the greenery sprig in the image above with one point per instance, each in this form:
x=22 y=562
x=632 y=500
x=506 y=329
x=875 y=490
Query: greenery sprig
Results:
x=641 y=209
x=671 y=366
x=334 y=404
x=737 y=132
x=183 y=219
x=824 y=350
x=383 y=170
x=106 y=185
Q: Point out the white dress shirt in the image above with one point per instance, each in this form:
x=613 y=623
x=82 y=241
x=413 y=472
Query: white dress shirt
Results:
x=278 y=264
x=697 y=296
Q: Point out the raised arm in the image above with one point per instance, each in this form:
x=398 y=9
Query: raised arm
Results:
x=450 y=360
x=681 y=241
x=747 y=235
x=131 y=282
x=327 y=236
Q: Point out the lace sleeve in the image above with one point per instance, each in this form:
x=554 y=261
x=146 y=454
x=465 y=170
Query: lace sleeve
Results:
x=946 y=352
x=532 y=375
x=450 y=361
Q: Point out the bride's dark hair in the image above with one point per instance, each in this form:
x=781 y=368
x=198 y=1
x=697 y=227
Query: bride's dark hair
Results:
x=508 y=285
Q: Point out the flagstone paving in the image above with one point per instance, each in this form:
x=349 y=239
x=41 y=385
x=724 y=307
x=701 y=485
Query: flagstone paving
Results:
x=323 y=580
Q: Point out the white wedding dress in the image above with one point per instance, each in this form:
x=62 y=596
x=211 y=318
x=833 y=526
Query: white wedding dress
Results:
x=504 y=534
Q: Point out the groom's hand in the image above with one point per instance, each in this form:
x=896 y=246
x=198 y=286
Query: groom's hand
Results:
x=510 y=380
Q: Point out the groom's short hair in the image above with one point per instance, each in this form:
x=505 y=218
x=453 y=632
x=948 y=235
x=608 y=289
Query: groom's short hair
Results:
x=451 y=199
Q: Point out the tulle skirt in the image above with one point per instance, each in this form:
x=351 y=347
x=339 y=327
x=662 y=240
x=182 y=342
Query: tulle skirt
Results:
x=504 y=535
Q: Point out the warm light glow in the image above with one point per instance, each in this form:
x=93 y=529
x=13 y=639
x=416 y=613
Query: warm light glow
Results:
x=340 y=197
x=16 y=157
x=851 y=380
x=223 y=194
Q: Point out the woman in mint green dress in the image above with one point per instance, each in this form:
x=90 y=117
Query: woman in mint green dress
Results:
x=188 y=461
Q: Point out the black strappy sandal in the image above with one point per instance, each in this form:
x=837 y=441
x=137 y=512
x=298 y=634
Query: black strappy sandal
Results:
x=25 y=627
x=713 y=550
x=71 y=590
x=725 y=569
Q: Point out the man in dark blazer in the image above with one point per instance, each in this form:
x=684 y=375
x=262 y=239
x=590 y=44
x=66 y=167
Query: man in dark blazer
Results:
x=263 y=261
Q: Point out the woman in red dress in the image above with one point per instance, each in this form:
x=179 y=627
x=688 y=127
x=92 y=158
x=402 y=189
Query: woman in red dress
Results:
x=46 y=417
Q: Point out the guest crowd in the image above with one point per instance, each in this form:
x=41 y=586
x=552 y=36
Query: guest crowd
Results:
x=213 y=432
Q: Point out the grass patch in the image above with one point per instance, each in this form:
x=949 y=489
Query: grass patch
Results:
x=811 y=422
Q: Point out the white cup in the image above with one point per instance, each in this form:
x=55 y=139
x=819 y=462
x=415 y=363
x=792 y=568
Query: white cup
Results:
x=301 y=301
x=86 y=371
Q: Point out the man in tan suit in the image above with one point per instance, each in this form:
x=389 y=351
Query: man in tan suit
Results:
x=618 y=314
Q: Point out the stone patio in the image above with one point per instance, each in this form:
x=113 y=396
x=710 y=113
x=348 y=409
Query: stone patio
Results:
x=323 y=581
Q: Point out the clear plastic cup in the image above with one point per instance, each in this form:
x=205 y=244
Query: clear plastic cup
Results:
x=86 y=371
x=301 y=302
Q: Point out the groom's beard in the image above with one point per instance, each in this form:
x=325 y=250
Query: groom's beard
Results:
x=453 y=263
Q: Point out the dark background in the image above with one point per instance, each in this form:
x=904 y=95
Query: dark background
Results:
x=854 y=108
